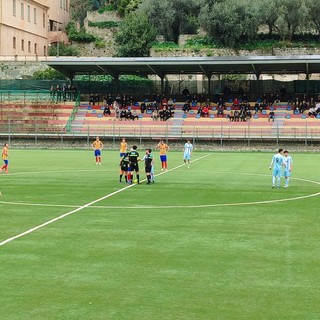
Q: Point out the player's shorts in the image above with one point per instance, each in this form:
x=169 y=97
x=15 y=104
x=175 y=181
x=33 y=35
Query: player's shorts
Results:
x=163 y=158
x=287 y=173
x=134 y=166
x=148 y=169
x=186 y=157
x=122 y=154
x=124 y=168
x=277 y=173
x=97 y=153
x=6 y=162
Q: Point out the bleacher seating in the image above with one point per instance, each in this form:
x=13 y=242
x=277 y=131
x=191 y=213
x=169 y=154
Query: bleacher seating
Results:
x=90 y=119
x=31 y=118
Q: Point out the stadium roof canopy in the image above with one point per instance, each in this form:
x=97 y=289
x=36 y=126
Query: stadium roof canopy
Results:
x=71 y=66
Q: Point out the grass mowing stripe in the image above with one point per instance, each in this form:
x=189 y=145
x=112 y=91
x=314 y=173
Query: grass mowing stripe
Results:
x=83 y=207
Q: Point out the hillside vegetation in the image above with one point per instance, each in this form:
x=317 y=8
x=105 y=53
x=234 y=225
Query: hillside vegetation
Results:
x=240 y=24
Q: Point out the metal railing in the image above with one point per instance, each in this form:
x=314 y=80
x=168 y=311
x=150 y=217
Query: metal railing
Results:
x=305 y=132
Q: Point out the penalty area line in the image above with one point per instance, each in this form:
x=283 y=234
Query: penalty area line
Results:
x=40 y=226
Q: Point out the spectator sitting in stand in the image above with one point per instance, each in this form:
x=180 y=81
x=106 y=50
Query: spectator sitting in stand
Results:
x=164 y=102
x=186 y=107
x=205 y=112
x=155 y=115
x=236 y=103
x=236 y=116
x=312 y=112
x=107 y=111
x=134 y=115
x=220 y=111
x=231 y=115
x=96 y=99
x=123 y=114
x=271 y=116
x=143 y=107
x=91 y=99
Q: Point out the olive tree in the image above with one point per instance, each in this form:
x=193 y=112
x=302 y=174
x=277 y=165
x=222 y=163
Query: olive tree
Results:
x=172 y=18
x=231 y=21
x=135 y=36
x=292 y=17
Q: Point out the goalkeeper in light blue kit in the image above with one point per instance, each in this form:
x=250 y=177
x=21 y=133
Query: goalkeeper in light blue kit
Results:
x=288 y=167
x=277 y=162
x=187 y=152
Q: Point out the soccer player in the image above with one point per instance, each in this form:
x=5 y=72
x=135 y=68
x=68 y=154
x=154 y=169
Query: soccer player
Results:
x=97 y=146
x=149 y=161
x=163 y=149
x=187 y=152
x=288 y=167
x=123 y=148
x=124 y=167
x=277 y=162
x=133 y=163
x=5 y=158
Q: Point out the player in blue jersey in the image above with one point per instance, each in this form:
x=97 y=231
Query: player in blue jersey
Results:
x=288 y=167
x=277 y=162
x=187 y=152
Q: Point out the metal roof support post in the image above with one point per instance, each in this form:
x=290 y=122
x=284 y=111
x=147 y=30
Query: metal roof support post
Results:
x=308 y=78
x=209 y=84
x=258 y=83
x=162 y=84
x=116 y=86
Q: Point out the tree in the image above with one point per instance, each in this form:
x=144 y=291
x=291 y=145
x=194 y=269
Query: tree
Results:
x=314 y=13
x=79 y=9
x=48 y=74
x=172 y=18
x=231 y=21
x=135 y=36
x=269 y=14
x=292 y=16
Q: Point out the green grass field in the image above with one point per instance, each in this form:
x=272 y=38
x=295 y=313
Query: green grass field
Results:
x=212 y=242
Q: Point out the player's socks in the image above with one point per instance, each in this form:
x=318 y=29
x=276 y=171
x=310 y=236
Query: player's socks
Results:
x=120 y=178
x=126 y=178
x=138 y=178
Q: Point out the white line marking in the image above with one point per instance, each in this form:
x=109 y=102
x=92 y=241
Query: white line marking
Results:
x=83 y=207
x=179 y=206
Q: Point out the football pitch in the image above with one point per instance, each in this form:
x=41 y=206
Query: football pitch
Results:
x=211 y=242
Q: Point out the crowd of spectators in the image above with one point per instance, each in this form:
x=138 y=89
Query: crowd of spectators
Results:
x=159 y=107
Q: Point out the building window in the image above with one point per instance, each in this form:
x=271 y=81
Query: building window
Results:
x=29 y=46
x=67 y=5
x=28 y=13
x=35 y=15
x=44 y=50
x=61 y=4
x=22 y=11
x=22 y=45
x=14 y=43
x=14 y=7
x=44 y=19
x=35 y=49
